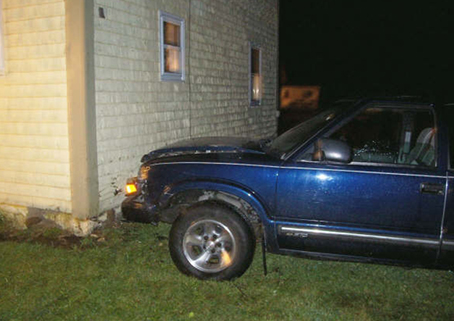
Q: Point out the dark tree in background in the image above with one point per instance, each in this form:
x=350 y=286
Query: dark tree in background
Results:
x=366 y=48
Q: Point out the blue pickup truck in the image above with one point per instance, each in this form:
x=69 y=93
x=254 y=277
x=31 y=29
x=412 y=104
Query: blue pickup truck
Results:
x=370 y=180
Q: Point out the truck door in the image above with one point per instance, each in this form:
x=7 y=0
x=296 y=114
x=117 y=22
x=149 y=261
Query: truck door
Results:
x=387 y=203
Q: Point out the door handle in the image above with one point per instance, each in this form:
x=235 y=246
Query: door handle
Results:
x=432 y=188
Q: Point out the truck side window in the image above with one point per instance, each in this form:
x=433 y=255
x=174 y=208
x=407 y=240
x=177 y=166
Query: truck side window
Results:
x=420 y=148
x=398 y=136
x=448 y=117
x=373 y=135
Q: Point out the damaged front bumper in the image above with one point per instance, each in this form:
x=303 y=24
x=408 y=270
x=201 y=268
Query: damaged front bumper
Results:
x=135 y=209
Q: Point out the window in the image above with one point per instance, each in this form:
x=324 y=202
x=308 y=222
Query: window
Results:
x=2 y=43
x=172 y=47
x=296 y=136
x=255 y=75
x=448 y=117
x=389 y=136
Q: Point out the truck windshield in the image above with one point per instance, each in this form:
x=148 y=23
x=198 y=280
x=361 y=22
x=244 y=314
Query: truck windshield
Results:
x=291 y=139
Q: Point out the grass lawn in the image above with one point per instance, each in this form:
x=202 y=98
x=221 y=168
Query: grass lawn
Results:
x=130 y=276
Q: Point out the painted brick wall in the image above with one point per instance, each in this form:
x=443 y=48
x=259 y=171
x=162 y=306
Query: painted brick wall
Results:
x=136 y=112
x=34 y=157
x=219 y=40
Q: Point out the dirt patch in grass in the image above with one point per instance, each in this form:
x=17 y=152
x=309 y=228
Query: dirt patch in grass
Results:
x=53 y=236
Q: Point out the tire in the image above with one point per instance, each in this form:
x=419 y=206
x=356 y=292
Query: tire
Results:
x=211 y=242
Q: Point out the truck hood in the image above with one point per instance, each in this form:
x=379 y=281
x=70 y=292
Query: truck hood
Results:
x=208 y=145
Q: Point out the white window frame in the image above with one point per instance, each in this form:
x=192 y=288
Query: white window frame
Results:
x=253 y=102
x=167 y=17
x=2 y=43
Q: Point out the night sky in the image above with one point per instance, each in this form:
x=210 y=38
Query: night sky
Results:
x=369 y=48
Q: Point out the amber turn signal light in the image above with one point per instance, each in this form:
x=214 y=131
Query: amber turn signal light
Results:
x=130 y=189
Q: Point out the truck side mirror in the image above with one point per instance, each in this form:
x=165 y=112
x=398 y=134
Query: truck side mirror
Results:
x=332 y=150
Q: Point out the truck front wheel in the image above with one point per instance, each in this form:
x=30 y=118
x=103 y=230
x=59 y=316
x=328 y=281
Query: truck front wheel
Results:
x=211 y=241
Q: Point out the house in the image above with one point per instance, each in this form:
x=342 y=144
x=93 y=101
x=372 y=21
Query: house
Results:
x=303 y=97
x=89 y=86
